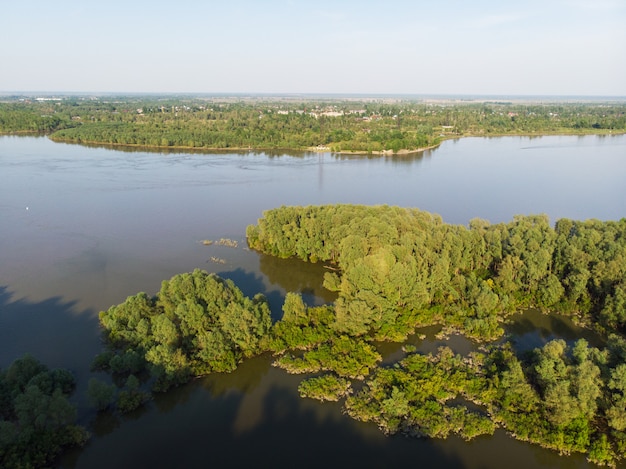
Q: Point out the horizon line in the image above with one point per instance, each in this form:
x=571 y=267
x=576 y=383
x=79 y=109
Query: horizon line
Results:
x=251 y=94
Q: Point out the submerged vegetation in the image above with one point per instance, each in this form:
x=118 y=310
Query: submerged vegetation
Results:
x=394 y=270
x=367 y=126
x=565 y=398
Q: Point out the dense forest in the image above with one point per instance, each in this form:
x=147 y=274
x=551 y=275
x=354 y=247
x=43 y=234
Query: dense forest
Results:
x=396 y=270
x=368 y=126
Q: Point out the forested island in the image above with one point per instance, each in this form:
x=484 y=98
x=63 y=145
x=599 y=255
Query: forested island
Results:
x=396 y=270
x=366 y=126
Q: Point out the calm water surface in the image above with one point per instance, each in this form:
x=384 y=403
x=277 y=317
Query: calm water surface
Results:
x=82 y=228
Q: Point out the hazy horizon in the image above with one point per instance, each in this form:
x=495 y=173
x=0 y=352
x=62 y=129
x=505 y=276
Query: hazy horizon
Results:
x=286 y=47
x=330 y=95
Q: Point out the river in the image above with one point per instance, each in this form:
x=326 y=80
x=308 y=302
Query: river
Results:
x=83 y=227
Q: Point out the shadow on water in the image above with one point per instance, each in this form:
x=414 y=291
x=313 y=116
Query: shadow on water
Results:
x=532 y=329
x=247 y=378
x=255 y=419
x=283 y=275
x=251 y=284
x=426 y=340
x=55 y=333
x=52 y=330
x=310 y=439
x=295 y=275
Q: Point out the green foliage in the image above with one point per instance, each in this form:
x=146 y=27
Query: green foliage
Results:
x=393 y=265
x=616 y=412
x=554 y=398
x=601 y=452
x=198 y=323
x=394 y=269
x=301 y=327
x=363 y=127
x=131 y=398
x=31 y=118
x=346 y=356
x=36 y=417
x=327 y=387
x=557 y=397
x=416 y=396
x=100 y=394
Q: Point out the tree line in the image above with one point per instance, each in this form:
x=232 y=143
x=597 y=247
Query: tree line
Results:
x=364 y=127
x=397 y=268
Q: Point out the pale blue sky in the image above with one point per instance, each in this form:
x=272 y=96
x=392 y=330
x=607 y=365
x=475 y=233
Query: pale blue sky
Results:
x=548 y=47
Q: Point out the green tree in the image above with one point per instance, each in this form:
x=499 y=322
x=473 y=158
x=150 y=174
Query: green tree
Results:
x=100 y=394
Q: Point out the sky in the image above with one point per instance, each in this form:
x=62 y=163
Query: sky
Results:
x=479 y=47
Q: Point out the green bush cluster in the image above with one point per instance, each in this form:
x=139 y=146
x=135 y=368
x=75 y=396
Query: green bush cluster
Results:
x=36 y=418
x=326 y=387
x=346 y=356
x=570 y=399
x=419 y=396
x=198 y=323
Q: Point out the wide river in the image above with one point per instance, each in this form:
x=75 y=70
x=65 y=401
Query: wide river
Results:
x=82 y=228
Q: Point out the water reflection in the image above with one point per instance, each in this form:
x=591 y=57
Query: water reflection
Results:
x=244 y=379
x=426 y=340
x=251 y=422
x=531 y=329
x=105 y=423
x=525 y=330
x=187 y=150
x=250 y=283
x=47 y=330
x=294 y=275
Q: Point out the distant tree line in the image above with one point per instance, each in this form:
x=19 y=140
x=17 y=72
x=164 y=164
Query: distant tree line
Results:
x=363 y=127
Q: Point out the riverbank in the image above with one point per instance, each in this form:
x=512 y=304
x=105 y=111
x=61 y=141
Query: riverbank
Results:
x=341 y=127
x=320 y=148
